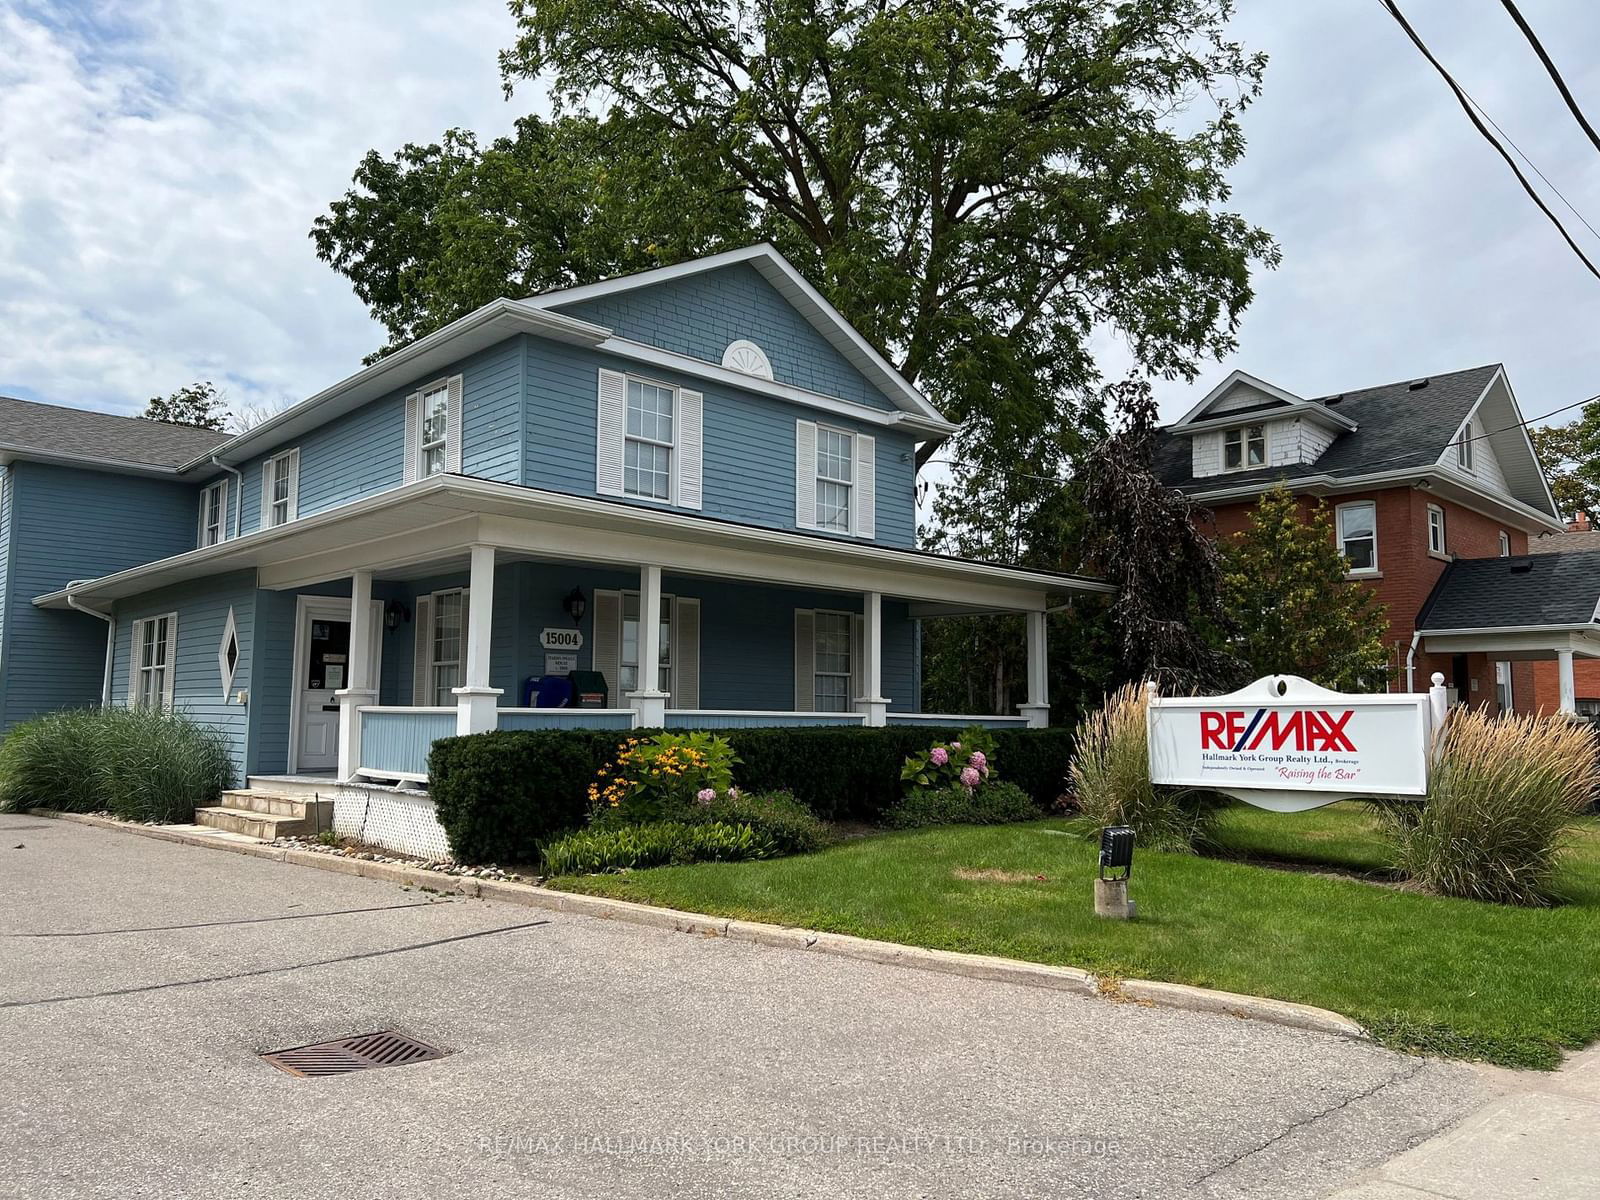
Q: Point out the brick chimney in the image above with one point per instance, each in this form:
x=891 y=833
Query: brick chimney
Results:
x=1579 y=523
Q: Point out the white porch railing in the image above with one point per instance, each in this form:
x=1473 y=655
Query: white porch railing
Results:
x=958 y=720
x=731 y=718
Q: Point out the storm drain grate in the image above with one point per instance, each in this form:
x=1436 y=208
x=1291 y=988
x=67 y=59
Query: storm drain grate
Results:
x=365 y=1053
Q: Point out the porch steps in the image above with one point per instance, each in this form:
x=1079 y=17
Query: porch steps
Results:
x=255 y=812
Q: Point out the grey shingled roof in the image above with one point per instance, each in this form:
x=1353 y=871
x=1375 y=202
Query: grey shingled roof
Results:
x=1565 y=543
x=1529 y=589
x=1396 y=428
x=53 y=429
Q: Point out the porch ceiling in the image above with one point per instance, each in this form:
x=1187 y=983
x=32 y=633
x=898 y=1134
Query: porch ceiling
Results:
x=422 y=525
x=1512 y=644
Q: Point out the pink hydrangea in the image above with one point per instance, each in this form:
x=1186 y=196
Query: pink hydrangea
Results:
x=955 y=745
x=705 y=795
x=733 y=793
x=978 y=760
x=970 y=777
x=939 y=757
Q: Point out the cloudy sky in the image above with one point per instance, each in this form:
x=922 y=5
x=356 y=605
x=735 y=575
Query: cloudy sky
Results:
x=160 y=167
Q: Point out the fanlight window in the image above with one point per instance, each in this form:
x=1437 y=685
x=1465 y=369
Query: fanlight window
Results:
x=748 y=358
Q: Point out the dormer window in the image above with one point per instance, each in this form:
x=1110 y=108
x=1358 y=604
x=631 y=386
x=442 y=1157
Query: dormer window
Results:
x=1464 y=449
x=1244 y=448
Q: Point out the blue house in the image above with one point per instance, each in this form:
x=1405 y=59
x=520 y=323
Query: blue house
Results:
x=697 y=483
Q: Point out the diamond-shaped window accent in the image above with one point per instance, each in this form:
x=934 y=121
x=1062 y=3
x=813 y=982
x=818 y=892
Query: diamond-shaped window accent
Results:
x=228 y=655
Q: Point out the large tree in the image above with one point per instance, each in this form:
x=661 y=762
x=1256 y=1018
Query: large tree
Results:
x=1292 y=610
x=1570 y=455
x=202 y=404
x=978 y=187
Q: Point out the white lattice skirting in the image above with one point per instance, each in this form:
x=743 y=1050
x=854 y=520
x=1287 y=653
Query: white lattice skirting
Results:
x=404 y=822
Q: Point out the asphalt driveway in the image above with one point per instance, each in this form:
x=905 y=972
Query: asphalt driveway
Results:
x=139 y=980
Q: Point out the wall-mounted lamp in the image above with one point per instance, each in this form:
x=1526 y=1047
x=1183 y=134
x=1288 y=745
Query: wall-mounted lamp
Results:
x=576 y=605
x=393 y=613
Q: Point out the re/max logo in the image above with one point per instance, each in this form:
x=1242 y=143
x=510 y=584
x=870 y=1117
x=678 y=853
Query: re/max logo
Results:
x=1306 y=729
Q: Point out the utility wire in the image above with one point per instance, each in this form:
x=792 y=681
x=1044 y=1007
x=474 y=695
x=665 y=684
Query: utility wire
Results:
x=1483 y=130
x=1550 y=67
x=1523 y=154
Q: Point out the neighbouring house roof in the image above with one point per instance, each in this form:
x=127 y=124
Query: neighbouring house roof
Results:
x=1563 y=543
x=1396 y=427
x=29 y=429
x=1529 y=590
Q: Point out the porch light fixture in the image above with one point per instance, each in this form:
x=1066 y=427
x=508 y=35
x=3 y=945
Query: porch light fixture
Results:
x=576 y=605
x=393 y=613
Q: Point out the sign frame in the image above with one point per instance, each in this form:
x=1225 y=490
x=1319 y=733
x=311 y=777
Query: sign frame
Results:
x=1171 y=723
x=554 y=637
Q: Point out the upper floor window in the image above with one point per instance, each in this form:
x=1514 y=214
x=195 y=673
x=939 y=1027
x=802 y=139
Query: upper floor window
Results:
x=1505 y=544
x=648 y=444
x=280 y=485
x=835 y=478
x=433 y=430
x=214 y=513
x=1358 y=535
x=1435 y=529
x=1244 y=448
x=1464 y=447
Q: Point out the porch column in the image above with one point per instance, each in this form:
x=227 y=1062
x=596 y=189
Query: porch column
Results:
x=649 y=701
x=1037 y=709
x=477 y=704
x=358 y=690
x=872 y=701
x=1569 y=689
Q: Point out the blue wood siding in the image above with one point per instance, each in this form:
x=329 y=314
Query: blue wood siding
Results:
x=748 y=472
x=5 y=563
x=700 y=315
x=565 y=718
x=66 y=524
x=202 y=609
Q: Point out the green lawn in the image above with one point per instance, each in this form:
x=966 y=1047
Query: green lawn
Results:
x=1451 y=977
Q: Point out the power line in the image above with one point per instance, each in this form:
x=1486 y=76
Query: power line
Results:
x=1555 y=75
x=1472 y=115
x=1484 y=113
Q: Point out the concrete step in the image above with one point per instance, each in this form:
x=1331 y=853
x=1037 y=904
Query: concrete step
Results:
x=304 y=787
x=265 y=826
x=277 y=804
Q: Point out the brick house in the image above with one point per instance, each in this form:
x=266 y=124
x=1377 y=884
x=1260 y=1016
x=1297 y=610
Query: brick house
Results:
x=1435 y=492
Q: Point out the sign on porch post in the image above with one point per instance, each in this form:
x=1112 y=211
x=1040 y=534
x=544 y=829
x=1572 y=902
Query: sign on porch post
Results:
x=1285 y=744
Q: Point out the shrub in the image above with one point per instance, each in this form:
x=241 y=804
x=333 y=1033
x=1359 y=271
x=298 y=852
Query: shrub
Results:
x=1504 y=791
x=1111 y=779
x=659 y=844
x=960 y=762
x=138 y=764
x=790 y=826
x=996 y=803
x=659 y=778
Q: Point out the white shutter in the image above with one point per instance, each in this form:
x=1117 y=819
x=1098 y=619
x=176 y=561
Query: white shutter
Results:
x=686 y=652
x=222 y=529
x=408 y=473
x=690 y=455
x=292 y=465
x=863 y=495
x=200 y=527
x=452 y=426
x=422 y=657
x=135 y=637
x=610 y=431
x=858 y=629
x=805 y=659
x=268 y=469
x=606 y=657
x=805 y=475
x=170 y=674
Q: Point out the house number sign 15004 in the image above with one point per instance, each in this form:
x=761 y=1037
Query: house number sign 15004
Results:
x=561 y=639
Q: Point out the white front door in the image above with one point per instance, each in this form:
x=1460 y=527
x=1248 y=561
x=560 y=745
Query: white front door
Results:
x=322 y=667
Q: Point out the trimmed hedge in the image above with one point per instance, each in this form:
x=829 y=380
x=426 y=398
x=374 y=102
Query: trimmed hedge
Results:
x=502 y=796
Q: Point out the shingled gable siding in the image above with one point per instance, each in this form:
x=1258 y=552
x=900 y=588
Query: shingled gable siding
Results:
x=749 y=443
x=1408 y=573
x=363 y=452
x=67 y=524
x=202 y=606
x=702 y=314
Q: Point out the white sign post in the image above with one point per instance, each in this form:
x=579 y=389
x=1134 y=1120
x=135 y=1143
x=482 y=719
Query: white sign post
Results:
x=1285 y=744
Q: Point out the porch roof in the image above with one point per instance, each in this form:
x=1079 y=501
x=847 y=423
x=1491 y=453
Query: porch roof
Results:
x=432 y=523
x=1523 y=607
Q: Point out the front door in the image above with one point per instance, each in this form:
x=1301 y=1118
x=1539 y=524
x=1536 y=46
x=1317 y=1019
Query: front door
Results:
x=322 y=664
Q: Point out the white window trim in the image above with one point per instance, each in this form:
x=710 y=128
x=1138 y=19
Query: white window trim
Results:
x=432 y=665
x=852 y=666
x=1464 y=445
x=1505 y=687
x=220 y=488
x=849 y=485
x=1505 y=544
x=1434 y=510
x=1244 y=448
x=1339 y=538
x=669 y=601
x=289 y=462
x=441 y=444
x=672 y=447
x=137 y=671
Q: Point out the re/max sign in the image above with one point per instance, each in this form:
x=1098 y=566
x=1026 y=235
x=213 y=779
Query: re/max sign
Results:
x=1302 y=729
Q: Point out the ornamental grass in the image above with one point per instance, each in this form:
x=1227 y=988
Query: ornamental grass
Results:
x=1504 y=794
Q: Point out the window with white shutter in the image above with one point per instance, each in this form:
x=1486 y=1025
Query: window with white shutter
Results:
x=152 y=662
x=280 y=487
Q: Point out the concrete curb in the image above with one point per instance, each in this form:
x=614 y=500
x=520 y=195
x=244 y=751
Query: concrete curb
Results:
x=947 y=962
